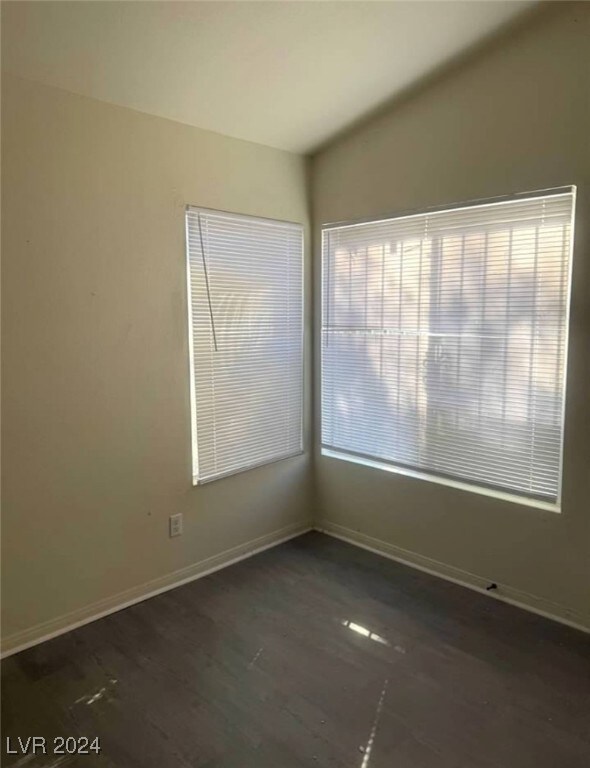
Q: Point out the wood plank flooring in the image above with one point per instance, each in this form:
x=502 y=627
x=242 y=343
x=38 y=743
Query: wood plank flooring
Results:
x=314 y=653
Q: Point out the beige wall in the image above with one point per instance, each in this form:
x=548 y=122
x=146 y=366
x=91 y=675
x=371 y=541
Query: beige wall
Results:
x=96 y=431
x=514 y=118
x=96 y=428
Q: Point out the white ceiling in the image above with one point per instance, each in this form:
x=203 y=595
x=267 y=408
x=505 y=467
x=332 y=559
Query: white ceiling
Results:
x=286 y=74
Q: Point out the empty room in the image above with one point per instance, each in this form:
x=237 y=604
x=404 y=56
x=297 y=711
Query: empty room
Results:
x=295 y=384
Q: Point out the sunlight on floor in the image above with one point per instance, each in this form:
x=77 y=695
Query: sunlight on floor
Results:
x=360 y=630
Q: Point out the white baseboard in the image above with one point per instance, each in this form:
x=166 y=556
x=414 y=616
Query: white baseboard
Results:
x=19 y=641
x=505 y=593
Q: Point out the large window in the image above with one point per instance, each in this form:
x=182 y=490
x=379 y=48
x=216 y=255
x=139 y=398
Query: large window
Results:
x=245 y=334
x=444 y=338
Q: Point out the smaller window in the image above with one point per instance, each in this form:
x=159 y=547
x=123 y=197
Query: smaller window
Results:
x=245 y=335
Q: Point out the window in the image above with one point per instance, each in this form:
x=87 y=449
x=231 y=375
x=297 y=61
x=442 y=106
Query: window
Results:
x=245 y=334
x=444 y=338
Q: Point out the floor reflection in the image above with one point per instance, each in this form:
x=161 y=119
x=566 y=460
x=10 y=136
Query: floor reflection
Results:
x=360 y=630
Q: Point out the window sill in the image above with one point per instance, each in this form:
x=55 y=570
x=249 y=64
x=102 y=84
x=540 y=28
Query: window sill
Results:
x=265 y=463
x=495 y=494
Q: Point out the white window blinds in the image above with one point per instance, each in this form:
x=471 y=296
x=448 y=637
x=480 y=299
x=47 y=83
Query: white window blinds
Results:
x=444 y=337
x=245 y=313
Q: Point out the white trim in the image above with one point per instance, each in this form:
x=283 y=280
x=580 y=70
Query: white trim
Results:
x=473 y=488
x=191 y=357
x=566 y=342
x=462 y=206
x=230 y=472
x=27 y=638
x=245 y=216
x=524 y=600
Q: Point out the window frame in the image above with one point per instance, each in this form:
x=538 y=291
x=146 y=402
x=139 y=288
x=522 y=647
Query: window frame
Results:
x=421 y=474
x=196 y=479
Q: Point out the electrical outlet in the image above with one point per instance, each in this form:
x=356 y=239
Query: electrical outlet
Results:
x=175 y=525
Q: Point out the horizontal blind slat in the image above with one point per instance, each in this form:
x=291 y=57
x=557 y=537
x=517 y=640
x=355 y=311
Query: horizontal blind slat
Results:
x=444 y=340
x=245 y=293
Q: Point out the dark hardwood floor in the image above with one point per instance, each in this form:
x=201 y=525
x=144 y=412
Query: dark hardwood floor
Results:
x=314 y=653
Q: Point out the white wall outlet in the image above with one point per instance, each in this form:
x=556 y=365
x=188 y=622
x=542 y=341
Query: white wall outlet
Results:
x=175 y=525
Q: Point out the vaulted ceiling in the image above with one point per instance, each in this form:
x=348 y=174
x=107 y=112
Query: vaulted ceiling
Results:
x=285 y=74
